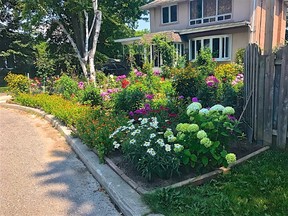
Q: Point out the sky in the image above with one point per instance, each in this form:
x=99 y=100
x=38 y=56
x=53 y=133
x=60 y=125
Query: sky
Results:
x=143 y=25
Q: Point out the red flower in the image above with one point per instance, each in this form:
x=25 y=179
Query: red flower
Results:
x=172 y=115
x=125 y=83
x=162 y=78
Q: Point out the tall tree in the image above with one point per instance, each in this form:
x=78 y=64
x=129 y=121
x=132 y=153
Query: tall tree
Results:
x=80 y=21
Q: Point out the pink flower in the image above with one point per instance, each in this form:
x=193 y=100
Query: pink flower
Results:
x=149 y=96
x=157 y=73
x=120 y=77
x=212 y=81
x=81 y=85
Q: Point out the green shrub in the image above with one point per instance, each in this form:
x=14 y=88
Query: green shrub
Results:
x=185 y=81
x=90 y=95
x=67 y=87
x=95 y=127
x=205 y=63
x=64 y=110
x=227 y=72
x=17 y=83
x=129 y=98
x=240 y=54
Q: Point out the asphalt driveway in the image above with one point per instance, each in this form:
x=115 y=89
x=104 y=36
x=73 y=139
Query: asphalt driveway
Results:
x=41 y=175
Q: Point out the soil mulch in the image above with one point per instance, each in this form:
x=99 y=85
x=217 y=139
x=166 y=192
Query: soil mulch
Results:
x=240 y=148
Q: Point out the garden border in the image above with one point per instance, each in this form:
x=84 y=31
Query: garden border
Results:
x=122 y=194
x=112 y=178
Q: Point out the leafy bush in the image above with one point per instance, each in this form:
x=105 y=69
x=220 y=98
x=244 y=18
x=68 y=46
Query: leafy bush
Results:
x=185 y=81
x=17 y=83
x=143 y=144
x=95 y=127
x=227 y=72
x=205 y=139
x=240 y=56
x=64 y=110
x=89 y=95
x=205 y=63
x=67 y=87
x=129 y=98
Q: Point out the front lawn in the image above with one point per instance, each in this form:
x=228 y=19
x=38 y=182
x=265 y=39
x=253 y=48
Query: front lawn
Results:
x=258 y=187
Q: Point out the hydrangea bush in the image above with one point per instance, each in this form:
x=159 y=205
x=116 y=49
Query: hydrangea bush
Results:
x=158 y=151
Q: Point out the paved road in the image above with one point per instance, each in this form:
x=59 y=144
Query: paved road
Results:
x=40 y=175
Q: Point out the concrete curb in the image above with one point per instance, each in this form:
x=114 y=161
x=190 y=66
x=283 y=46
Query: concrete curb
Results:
x=122 y=194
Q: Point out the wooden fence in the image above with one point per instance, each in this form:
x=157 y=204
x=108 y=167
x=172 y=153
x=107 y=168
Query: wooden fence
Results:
x=266 y=96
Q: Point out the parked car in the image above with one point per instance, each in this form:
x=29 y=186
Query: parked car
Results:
x=115 y=68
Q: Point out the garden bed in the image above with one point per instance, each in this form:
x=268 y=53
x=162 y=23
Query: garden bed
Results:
x=242 y=149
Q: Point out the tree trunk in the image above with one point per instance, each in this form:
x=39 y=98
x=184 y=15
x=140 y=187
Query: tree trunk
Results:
x=98 y=15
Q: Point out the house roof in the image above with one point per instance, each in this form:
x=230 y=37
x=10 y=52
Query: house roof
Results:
x=147 y=38
x=214 y=27
x=171 y=35
x=157 y=3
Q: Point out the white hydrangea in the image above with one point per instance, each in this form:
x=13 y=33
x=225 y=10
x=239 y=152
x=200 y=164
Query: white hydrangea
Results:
x=217 y=107
x=195 y=106
x=203 y=111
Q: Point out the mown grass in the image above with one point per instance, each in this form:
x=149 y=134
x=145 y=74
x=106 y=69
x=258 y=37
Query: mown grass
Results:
x=258 y=187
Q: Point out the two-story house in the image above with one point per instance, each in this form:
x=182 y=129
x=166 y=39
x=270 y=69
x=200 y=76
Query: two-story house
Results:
x=222 y=25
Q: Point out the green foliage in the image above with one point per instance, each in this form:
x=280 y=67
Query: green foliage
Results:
x=236 y=193
x=166 y=48
x=206 y=138
x=67 y=87
x=144 y=147
x=129 y=99
x=205 y=63
x=66 y=111
x=240 y=54
x=185 y=81
x=44 y=64
x=95 y=128
x=17 y=83
x=90 y=95
x=227 y=72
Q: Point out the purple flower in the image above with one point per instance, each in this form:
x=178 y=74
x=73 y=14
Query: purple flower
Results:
x=232 y=118
x=81 y=85
x=212 y=81
x=181 y=97
x=147 y=107
x=195 y=99
x=140 y=111
x=131 y=113
x=149 y=96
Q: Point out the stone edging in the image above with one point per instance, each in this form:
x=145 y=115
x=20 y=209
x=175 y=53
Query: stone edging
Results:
x=125 y=197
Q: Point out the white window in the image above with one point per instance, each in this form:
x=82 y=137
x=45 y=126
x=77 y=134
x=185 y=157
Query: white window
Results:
x=220 y=47
x=169 y=14
x=179 y=47
x=206 y=11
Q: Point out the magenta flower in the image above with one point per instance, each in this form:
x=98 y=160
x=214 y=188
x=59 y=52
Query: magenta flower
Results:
x=157 y=73
x=232 y=118
x=147 y=107
x=212 y=81
x=81 y=85
x=131 y=113
x=149 y=96
x=138 y=73
x=120 y=77
x=181 y=97
x=195 y=99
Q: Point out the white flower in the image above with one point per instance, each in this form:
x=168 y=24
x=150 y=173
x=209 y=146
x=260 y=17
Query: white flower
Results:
x=132 y=127
x=144 y=121
x=133 y=141
x=178 y=148
x=167 y=148
x=137 y=131
x=116 y=145
x=171 y=138
x=160 y=142
x=131 y=121
x=146 y=144
x=152 y=135
x=217 y=107
x=151 y=151
x=133 y=133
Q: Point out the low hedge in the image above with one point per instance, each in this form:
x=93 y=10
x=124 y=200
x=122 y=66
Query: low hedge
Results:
x=93 y=125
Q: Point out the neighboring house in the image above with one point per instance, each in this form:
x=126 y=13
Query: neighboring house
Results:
x=222 y=25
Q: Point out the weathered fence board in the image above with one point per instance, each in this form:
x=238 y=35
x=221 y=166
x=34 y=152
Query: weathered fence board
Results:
x=266 y=95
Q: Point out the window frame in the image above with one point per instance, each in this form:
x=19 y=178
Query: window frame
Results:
x=204 y=20
x=169 y=14
x=221 y=49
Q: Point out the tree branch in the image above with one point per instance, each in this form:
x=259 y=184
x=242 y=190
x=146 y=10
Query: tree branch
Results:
x=92 y=26
x=86 y=35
